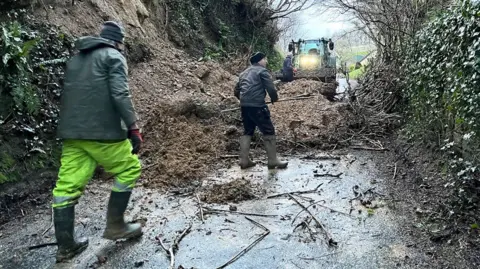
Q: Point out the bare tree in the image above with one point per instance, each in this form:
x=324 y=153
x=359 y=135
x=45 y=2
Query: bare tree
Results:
x=276 y=9
x=290 y=28
x=388 y=23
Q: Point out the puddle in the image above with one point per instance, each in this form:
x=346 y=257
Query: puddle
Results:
x=367 y=238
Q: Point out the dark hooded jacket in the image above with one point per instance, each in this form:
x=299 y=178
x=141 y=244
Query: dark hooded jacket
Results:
x=288 y=69
x=96 y=102
x=252 y=84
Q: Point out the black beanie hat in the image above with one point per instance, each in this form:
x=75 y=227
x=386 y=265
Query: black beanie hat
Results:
x=257 y=57
x=113 y=31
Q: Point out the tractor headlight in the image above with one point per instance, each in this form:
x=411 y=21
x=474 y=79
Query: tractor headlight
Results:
x=309 y=61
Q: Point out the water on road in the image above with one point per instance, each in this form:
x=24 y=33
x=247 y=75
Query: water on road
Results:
x=350 y=204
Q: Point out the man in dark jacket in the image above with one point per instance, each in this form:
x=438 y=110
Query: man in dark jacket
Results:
x=288 y=69
x=97 y=117
x=250 y=90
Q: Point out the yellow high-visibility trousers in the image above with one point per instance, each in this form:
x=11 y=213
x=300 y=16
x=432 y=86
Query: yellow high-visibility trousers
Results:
x=79 y=161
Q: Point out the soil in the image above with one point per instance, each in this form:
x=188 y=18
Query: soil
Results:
x=234 y=191
x=417 y=186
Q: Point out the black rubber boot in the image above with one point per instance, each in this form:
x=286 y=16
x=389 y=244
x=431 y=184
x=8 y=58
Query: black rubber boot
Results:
x=68 y=247
x=245 y=161
x=271 y=148
x=116 y=226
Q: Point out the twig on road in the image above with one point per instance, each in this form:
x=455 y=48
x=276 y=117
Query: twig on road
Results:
x=328 y=175
x=219 y=211
x=42 y=245
x=241 y=253
x=395 y=172
x=367 y=148
x=200 y=207
x=328 y=237
x=174 y=247
x=49 y=227
x=295 y=192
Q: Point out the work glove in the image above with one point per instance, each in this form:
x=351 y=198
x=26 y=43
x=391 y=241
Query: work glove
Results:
x=136 y=139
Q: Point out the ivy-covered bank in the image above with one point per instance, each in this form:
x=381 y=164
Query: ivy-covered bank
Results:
x=441 y=72
x=223 y=29
x=31 y=72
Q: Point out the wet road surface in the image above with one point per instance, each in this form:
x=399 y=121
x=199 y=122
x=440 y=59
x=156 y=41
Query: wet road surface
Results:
x=367 y=238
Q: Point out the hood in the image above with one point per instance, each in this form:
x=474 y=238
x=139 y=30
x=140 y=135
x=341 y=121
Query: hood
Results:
x=289 y=56
x=91 y=42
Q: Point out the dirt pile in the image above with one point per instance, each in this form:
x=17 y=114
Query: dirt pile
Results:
x=314 y=121
x=179 y=99
x=179 y=102
x=234 y=191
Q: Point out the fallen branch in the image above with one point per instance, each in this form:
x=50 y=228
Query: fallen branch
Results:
x=42 y=245
x=241 y=253
x=395 y=172
x=322 y=157
x=213 y=210
x=49 y=227
x=295 y=192
x=229 y=156
x=367 y=148
x=328 y=175
x=174 y=247
x=201 y=208
x=279 y=101
x=328 y=237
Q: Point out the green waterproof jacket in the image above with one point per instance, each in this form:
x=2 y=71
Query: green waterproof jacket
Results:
x=96 y=102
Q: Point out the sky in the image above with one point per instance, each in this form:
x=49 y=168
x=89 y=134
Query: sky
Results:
x=316 y=23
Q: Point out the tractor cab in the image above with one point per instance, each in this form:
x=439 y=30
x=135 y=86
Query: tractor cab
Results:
x=313 y=58
x=311 y=54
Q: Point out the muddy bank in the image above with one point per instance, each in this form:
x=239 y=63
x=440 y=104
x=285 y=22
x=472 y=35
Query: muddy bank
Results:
x=417 y=185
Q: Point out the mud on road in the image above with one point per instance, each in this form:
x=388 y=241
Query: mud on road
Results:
x=343 y=190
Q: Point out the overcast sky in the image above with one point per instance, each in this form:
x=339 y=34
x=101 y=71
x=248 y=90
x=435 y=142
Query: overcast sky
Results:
x=316 y=23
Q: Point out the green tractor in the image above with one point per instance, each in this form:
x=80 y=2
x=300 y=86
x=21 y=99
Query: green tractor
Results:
x=313 y=59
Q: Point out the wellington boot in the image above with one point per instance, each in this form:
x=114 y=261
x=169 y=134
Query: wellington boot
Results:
x=245 y=161
x=271 y=148
x=68 y=247
x=116 y=226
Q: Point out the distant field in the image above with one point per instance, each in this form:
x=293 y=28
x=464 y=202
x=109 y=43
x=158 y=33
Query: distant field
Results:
x=348 y=54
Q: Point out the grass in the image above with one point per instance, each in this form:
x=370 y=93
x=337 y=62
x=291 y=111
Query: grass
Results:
x=357 y=73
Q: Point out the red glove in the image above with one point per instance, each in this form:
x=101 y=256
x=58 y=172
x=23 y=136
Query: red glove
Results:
x=136 y=139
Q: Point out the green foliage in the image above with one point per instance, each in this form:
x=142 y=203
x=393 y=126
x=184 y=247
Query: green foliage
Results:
x=221 y=30
x=31 y=72
x=275 y=59
x=15 y=69
x=442 y=87
x=356 y=73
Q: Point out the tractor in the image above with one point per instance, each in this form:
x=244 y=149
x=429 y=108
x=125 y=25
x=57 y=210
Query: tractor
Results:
x=313 y=59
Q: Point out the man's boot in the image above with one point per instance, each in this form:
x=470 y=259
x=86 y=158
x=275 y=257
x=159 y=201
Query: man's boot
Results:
x=68 y=247
x=245 y=161
x=271 y=148
x=116 y=226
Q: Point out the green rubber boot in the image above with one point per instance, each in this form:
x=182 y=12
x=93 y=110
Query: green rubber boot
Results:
x=68 y=247
x=245 y=161
x=116 y=226
x=271 y=148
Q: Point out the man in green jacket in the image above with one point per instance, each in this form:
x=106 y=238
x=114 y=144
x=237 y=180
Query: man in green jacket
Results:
x=97 y=119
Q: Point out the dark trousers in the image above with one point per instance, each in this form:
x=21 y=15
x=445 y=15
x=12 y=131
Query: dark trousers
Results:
x=287 y=76
x=257 y=117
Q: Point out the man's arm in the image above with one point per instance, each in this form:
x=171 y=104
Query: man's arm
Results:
x=119 y=91
x=268 y=85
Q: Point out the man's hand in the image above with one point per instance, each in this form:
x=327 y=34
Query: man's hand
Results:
x=136 y=139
